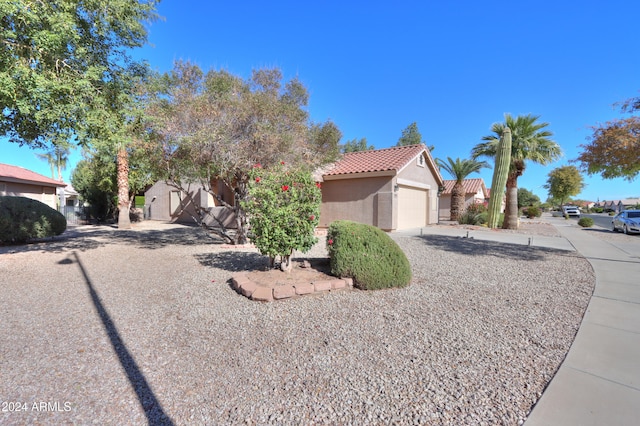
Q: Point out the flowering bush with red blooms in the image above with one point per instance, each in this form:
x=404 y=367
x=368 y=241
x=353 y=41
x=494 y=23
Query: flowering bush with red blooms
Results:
x=283 y=208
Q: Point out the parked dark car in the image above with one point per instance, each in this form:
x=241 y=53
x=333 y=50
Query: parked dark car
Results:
x=627 y=221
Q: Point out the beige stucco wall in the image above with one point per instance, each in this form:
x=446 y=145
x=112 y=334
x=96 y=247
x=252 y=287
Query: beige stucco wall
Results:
x=44 y=194
x=365 y=200
x=158 y=205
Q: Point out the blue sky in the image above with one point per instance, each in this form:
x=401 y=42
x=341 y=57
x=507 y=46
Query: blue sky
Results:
x=453 y=67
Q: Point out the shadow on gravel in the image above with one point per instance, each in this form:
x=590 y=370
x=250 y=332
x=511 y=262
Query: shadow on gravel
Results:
x=234 y=261
x=473 y=247
x=151 y=406
x=90 y=238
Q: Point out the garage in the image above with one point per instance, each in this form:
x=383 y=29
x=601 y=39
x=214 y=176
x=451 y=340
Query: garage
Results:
x=412 y=207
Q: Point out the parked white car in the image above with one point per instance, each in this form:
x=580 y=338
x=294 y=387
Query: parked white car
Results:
x=627 y=221
x=571 y=211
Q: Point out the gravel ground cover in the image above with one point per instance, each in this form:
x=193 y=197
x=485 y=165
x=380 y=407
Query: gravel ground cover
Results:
x=134 y=327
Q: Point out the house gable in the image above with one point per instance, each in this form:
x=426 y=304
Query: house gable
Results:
x=369 y=186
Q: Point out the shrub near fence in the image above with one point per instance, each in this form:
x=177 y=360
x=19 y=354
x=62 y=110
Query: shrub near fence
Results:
x=23 y=219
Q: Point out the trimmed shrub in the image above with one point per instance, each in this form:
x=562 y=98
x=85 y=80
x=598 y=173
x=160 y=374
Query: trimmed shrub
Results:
x=368 y=255
x=533 y=212
x=23 y=219
x=585 y=222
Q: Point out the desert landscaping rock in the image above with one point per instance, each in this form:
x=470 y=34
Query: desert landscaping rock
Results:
x=320 y=286
x=142 y=326
x=262 y=294
x=304 y=288
x=283 y=292
x=338 y=284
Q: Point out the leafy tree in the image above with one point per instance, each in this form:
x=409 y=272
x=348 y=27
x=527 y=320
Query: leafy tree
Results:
x=57 y=56
x=284 y=208
x=95 y=178
x=410 y=136
x=57 y=157
x=614 y=150
x=459 y=170
x=65 y=71
x=213 y=128
x=355 y=145
x=527 y=198
x=564 y=182
x=530 y=142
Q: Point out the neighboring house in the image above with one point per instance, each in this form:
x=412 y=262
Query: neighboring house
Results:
x=393 y=188
x=20 y=182
x=69 y=197
x=475 y=192
x=167 y=203
x=628 y=203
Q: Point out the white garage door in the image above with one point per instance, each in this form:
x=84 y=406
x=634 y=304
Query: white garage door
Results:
x=412 y=207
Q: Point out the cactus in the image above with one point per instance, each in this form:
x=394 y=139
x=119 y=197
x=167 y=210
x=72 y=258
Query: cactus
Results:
x=499 y=181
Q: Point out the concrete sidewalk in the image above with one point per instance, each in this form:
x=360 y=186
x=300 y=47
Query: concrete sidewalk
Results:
x=485 y=234
x=599 y=381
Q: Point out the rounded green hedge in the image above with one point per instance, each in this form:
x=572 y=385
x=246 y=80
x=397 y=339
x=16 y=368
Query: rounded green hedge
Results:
x=23 y=219
x=368 y=255
x=585 y=222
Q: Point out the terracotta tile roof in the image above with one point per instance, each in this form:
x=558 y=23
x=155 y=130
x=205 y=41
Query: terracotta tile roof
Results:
x=378 y=160
x=471 y=186
x=11 y=173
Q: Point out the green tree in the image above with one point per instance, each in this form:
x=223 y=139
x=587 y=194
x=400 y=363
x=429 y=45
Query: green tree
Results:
x=530 y=142
x=57 y=157
x=213 y=128
x=614 y=150
x=355 y=145
x=284 y=209
x=57 y=56
x=564 y=182
x=410 y=136
x=459 y=170
x=527 y=198
x=93 y=178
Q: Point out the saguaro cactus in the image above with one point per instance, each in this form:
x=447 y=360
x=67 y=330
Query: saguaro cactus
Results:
x=499 y=181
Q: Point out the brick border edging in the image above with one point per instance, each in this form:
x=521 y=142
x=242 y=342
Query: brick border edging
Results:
x=243 y=285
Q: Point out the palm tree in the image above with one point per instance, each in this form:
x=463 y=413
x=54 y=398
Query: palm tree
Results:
x=57 y=158
x=530 y=142
x=459 y=170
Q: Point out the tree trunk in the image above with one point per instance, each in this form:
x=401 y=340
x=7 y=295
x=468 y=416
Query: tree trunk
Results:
x=241 y=226
x=457 y=201
x=123 y=189
x=285 y=263
x=241 y=216
x=511 y=209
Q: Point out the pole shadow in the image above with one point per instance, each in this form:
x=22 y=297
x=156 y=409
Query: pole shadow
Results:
x=147 y=399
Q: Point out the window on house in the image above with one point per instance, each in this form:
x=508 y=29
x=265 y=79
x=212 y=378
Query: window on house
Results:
x=421 y=160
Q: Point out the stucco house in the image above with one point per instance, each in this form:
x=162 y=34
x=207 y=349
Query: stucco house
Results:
x=393 y=188
x=167 y=203
x=475 y=192
x=20 y=182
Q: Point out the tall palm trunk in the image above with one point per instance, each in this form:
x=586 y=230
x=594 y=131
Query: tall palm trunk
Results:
x=123 y=189
x=457 y=200
x=511 y=208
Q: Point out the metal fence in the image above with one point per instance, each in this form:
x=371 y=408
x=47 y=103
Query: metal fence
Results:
x=75 y=215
